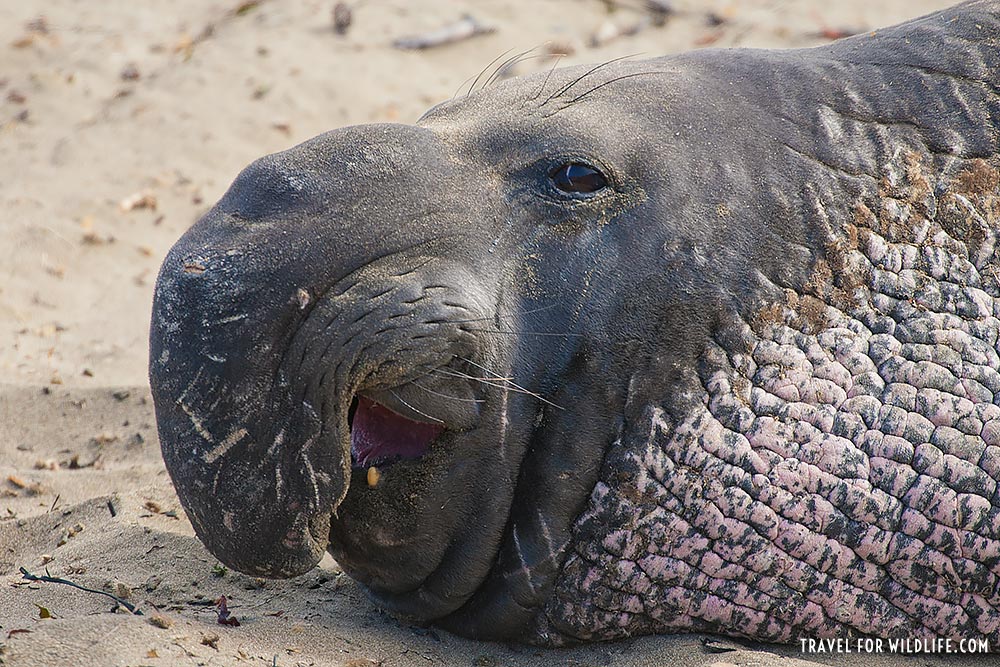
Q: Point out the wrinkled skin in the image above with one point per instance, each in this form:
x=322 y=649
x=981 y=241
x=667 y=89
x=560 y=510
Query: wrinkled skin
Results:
x=747 y=387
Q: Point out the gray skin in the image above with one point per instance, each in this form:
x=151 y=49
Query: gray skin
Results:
x=748 y=387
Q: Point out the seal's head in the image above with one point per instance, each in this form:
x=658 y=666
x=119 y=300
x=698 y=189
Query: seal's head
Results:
x=411 y=345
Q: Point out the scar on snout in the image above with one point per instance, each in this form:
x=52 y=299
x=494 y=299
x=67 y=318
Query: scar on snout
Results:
x=231 y=318
x=225 y=445
x=195 y=421
x=302 y=298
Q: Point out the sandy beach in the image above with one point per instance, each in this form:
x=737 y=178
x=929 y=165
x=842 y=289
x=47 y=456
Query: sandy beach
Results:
x=120 y=124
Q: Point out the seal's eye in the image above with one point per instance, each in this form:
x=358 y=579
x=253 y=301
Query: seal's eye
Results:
x=577 y=177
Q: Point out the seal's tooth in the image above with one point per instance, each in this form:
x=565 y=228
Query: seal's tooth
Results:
x=373 y=476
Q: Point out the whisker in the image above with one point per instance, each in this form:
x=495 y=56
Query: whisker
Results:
x=465 y=376
x=552 y=69
x=510 y=386
x=438 y=393
x=537 y=56
x=460 y=87
x=413 y=408
x=513 y=384
x=583 y=76
x=500 y=73
x=425 y=374
x=489 y=383
x=513 y=332
x=527 y=312
x=490 y=64
x=507 y=63
x=608 y=83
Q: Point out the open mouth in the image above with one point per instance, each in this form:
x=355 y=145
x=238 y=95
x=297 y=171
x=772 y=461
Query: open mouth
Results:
x=380 y=436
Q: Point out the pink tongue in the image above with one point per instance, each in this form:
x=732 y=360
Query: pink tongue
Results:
x=379 y=435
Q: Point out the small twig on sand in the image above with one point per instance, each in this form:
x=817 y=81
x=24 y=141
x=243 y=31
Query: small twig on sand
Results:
x=225 y=616
x=464 y=28
x=609 y=31
x=56 y=580
x=342 y=17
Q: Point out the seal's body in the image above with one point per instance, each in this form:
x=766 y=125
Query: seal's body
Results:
x=702 y=342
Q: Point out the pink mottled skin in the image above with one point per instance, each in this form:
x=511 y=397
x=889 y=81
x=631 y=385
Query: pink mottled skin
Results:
x=839 y=473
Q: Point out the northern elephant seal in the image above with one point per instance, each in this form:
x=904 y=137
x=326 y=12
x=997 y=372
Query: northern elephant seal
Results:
x=705 y=342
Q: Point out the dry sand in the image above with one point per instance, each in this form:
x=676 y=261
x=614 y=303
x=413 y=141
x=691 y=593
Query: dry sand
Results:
x=120 y=123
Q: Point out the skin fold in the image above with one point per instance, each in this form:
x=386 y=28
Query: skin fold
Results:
x=742 y=381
